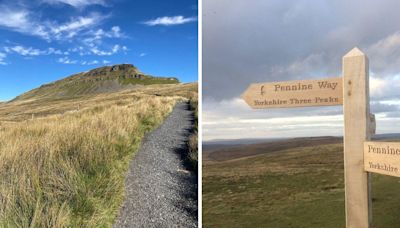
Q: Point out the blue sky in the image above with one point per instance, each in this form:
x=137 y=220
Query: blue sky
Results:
x=45 y=40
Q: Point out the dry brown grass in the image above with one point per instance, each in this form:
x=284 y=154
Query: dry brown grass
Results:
x=67 y=170
x=23 y=110
x=193 y=142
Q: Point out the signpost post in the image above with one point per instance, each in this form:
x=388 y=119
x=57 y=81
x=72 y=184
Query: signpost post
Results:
x=356 y=132
x=360 y=154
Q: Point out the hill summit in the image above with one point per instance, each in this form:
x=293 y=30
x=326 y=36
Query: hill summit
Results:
x=99 y=80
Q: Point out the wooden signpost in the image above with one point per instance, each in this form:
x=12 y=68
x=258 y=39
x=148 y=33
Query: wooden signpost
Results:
x=295 y=93
x=382 y=157
x=356 y=131
x=361 y=156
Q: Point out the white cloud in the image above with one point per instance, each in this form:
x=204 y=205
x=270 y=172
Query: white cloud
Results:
x=66 y=60
x=80 y=50
x=75 y=25
x=26 y=22
x=230 y=118
x=77 y=3
x=2 y=57
x=96 y=37
x=51 y=50
x=93 y=62
x=142 y=54
x=13 y=18
x=115 y=49
x=95 y=50
x=30 y=51
x=168 y=21
x=25 y=51
x=115 y=32
x=376 y=86
x=384 y=88
x=20 y=20
x=81 y=22
x=81 y=30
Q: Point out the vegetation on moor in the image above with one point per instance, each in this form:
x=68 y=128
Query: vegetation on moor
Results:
x=300 y=186
x=63 y=160
x=193 y=142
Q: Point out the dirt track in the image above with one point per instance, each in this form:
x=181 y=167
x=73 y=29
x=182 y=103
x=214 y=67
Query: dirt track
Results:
x=160 y=192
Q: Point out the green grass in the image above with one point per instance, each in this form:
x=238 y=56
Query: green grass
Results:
x=146 y=81
x=385 y=200
x=299 y=187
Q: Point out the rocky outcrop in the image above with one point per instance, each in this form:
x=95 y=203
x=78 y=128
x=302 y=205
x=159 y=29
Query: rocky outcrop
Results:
x=123 y=67
x=110 y=70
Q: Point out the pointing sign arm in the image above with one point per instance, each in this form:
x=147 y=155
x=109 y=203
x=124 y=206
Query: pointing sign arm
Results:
x=301 y=93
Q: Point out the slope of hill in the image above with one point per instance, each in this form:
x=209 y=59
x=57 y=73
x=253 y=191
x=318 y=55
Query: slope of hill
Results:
x=64 y=151
x=103 y=79
x=229 y=152
x=293 y=186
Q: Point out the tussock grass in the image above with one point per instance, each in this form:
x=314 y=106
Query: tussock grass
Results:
x=68 y=170
x=42 y=107
x=193 y=142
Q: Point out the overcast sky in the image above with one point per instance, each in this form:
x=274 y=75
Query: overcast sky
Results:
x=260 y=41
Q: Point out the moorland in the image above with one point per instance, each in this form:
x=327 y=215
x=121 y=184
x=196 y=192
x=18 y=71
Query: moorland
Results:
x=286 y=183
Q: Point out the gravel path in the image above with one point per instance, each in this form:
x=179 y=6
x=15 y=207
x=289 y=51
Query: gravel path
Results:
x=159 y=190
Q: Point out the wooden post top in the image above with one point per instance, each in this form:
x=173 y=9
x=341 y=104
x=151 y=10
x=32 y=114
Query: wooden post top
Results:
x=354 y=52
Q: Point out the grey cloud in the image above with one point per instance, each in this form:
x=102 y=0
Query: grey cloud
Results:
x=246 y=42
x=393 y=115
x=378 y=107
x=259 y=41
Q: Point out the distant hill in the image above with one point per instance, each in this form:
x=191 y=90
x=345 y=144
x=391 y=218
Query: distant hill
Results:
x=223 y=150
x=219 y=143
x=387 y=136
x=99 y=80
x=228 y=152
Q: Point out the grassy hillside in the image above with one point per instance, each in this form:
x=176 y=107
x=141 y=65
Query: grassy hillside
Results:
x=99 y=80
x=300 y=186
x=63 y=160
